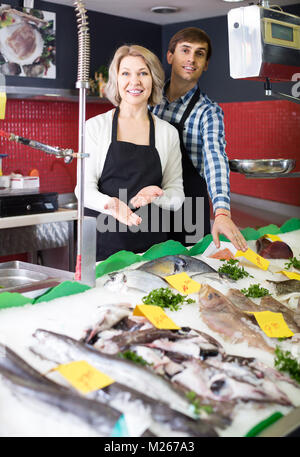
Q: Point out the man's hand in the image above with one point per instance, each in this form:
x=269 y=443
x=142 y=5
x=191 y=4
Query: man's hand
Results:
x=122 y=212
x=146 y=196
x=226 y=226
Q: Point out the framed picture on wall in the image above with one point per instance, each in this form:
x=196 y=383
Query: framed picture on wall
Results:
x=27 y=42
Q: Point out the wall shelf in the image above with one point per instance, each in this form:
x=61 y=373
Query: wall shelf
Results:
x=49 y=94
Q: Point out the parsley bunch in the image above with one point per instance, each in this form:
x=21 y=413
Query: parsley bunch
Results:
x=165 y=298
x=293 y=262
x=231 y=270
x=285 y=362
x=255 y=291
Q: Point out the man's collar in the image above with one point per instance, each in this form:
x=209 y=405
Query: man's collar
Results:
x=184 y=98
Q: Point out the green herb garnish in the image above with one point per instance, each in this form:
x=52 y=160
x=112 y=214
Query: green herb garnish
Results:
x=165 y=298
x=195 y=402
x=293 y=262
x=231 y=270
x=255 y=291
x=130 y=355
x=285 y=362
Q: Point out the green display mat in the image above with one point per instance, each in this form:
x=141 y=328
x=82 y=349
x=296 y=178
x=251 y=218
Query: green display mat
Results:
x=123 y=259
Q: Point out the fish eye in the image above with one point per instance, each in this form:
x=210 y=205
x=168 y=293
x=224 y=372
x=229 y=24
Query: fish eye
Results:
x=217 y=385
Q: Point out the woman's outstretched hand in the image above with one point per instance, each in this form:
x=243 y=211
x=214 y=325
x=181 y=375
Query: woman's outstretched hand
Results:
x=146 y=195
x=122 y=212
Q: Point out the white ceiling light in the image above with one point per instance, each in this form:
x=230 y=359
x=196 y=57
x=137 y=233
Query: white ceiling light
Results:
x=164 y=9
x=233 y=1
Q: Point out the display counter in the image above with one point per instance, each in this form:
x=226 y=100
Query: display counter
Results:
x=76 y=311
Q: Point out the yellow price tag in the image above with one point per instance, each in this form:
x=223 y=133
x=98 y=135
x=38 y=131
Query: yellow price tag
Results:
x=272 y=237
x=183 y=283
x=2 y=104
x=291 y=274
x=83 y=376
x=253 y=257
x=272 y=324
x=156 y=316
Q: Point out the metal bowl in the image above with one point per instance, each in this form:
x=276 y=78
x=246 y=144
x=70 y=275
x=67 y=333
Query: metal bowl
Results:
x=71 y=205
x=267 y=166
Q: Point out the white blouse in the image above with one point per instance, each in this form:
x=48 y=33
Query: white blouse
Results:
x=97 y=141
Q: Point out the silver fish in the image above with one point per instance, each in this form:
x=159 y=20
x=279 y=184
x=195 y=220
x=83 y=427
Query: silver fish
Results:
x=120 y=396
x=12 y=362
x=63 y=349
x=16 y=370
x=100 y=416
x=110 y=315
x=126 y=339
x=219 y=385
x=133 y=279
x=172 y=264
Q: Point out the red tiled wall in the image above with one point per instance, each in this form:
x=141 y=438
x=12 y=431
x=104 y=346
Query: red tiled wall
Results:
x=52 y=123
x=265 y=129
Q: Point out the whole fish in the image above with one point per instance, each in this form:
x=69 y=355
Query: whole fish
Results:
x=222 y=317
x=194 y=343
x=242 y=302
x=290 y=317
x=219 y=385
x=110 y=315
x=267 y=303
x=258 y=368
x=133 y=279
x=11 y=361
x=115 y=395
x=100 y=416
x=162 y=417
x=286 y=287
x=64 y=349
x=172 y=264
x=126 y=339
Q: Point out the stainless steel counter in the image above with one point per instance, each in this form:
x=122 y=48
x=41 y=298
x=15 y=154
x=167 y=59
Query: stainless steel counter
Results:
x=49 y=236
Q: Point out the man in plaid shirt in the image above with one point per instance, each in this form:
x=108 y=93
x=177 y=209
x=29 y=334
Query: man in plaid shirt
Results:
x=199 y=122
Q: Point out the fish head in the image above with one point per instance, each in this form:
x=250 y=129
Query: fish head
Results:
x=115 y=281
x=180 y=265
x=220 y=387
x=210 y=298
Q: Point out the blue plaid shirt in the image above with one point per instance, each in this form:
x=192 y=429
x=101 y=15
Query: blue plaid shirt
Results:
x=204 y=140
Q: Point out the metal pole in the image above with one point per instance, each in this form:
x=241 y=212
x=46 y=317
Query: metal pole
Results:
x=82 y=84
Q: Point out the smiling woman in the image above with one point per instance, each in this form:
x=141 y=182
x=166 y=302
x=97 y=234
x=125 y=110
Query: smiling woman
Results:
x=135 y=159
x=148 y=60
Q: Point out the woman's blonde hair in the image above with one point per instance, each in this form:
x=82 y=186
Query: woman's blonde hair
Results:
x=152 y=62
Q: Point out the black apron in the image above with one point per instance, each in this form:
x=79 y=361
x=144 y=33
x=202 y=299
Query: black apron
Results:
x=129 y=167
x=194 y=186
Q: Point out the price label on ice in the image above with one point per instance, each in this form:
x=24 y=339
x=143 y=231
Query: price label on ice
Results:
x=250 y=255
x=156 y=316
x=273 y=324
x=291 y=274
x=83 y=376
x=183 y=283
x=272 y=237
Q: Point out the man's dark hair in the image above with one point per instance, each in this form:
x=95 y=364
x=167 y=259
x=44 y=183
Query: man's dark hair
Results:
x=191 y=35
